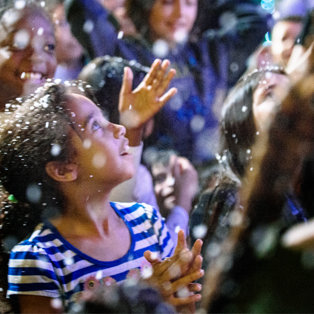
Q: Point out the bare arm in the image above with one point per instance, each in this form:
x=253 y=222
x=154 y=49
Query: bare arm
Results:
x=139 y=106
x=37 y=304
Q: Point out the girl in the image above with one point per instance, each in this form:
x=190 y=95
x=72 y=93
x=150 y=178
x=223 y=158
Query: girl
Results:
x=247 y=112
x=67 y=157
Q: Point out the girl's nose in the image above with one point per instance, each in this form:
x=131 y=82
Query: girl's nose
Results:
x=119 y=130
x=177 y=8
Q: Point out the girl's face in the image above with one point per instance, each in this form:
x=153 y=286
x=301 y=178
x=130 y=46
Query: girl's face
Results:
x=172 y=20
x=101 y=149
x=68 y=48
x=27 y=55
x=266 y=98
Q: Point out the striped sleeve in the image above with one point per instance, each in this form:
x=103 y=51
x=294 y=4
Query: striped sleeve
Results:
x=164 y=239
x=31 y=272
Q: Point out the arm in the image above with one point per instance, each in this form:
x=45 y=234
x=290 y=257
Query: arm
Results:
x=241 y=31
x=35 y=304
x=91 y=25
x=186 y=182
x=32 y=279
x=185 y=188
x=137 y=107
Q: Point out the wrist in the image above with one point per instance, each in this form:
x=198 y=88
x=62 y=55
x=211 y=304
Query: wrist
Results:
x=134 y=136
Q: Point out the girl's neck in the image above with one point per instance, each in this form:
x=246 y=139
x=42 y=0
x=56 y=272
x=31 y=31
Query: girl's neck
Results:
x=90 y=215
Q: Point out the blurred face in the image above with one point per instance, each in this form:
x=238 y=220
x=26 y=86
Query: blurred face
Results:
x=172 y=20
x=101 y=149
x=68 y=48
x=27 y=55
x=266 y=97
x=284 y=34
x=164 y=186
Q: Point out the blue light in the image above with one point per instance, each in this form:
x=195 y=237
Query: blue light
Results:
x=268 y=5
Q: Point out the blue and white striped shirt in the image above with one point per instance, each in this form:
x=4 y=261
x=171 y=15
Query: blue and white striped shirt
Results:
x=48 y=265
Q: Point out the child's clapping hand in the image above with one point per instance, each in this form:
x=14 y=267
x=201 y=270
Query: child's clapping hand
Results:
x=174 y=276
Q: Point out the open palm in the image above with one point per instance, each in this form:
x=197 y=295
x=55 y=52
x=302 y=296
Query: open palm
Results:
x=139 y=105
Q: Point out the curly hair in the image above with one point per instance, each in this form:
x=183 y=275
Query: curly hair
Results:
x=35 y=131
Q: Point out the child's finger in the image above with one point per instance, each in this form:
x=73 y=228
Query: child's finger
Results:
x=151 y=75
x=181 y=243
x=195 y=287
x=197 y=247
x=161 y=73
x=165 y=81
x=161 y=267
x=164 y=98
x=186 y=280
x=151 y=257
x=126 y=88
x=196 y=264
x=180 y=267
x=177 y=301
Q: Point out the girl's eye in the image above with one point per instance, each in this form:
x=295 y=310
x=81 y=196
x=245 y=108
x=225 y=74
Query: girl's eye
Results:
x=50 y=48
x=96 y=126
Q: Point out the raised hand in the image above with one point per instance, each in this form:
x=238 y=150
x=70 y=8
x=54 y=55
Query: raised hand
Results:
x=186 y=182
x=139 y=105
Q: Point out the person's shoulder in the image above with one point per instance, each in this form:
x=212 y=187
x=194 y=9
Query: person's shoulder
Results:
x=37 y=240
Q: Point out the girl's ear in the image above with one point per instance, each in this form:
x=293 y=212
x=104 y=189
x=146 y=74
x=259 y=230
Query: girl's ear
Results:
x=61 y=171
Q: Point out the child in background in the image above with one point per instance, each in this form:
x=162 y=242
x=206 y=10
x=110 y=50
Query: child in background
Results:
x=27 y=50
x=68 y=157
x=69 y=52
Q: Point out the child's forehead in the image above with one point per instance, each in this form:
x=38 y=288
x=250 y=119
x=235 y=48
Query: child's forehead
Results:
x=81 y=108
x=28 y=20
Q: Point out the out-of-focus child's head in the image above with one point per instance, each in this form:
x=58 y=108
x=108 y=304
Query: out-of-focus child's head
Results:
x=171 y=21
x=68 y=49
x=105 y=75
x=247 y=111
x=27 y=50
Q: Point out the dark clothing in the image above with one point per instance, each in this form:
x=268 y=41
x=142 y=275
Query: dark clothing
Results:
x=266 y=277
x=214 y=211
x=262 y=276
x=206 y=69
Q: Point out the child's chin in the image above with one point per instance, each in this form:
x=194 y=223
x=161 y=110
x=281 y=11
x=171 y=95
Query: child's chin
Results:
x=130 y=174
